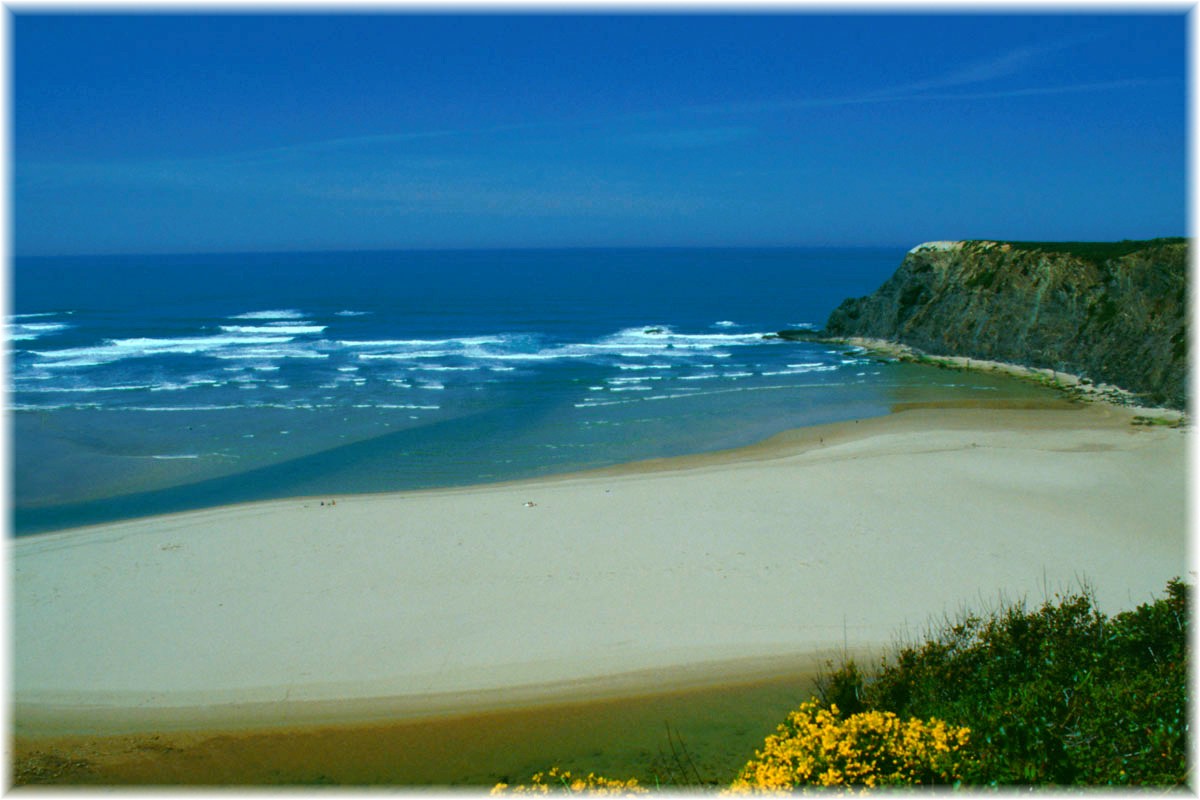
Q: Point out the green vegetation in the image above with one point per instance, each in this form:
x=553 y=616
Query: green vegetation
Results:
x=1057 y=696
x=1096 y=252
x=1165 y=422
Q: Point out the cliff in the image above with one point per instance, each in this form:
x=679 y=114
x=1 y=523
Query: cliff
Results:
x=1115 y=313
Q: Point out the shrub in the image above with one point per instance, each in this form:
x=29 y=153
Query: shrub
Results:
x=1060 y=695
x=561 y=781
x=817 y=747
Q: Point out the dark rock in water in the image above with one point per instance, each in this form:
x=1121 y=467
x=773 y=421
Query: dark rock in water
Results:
x=654 y=330
x=797 y=335
x=1114 y=312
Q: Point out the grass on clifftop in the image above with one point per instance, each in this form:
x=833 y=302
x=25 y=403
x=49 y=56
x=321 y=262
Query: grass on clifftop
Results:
x=1096 y=252
x=1060 y=695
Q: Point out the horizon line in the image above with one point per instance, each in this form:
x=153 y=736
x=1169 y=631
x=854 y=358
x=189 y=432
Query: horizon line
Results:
x=561 y=247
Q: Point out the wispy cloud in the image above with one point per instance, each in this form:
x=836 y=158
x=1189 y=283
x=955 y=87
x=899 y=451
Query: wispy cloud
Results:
x=1021 y=61
x=989 y=69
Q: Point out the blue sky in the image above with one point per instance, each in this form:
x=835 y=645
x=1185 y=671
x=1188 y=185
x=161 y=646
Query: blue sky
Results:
x=174 y=133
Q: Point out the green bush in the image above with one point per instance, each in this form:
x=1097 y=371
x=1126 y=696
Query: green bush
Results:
x=1059 y=695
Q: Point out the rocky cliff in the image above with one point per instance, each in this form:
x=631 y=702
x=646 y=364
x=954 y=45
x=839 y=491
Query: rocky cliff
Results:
x=1115 y=313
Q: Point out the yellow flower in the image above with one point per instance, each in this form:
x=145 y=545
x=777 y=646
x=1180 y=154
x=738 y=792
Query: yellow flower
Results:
x=816 y=747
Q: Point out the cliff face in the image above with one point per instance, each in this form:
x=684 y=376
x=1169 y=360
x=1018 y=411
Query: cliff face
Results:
x=1113 y=313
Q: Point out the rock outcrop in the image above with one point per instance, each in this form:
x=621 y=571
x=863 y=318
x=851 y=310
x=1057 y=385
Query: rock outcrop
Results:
x=1114 y=312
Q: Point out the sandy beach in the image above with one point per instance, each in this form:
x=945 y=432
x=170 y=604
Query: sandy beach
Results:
x=652 y=577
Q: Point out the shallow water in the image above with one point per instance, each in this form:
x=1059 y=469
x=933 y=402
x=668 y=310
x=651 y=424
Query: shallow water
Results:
x=145 y=385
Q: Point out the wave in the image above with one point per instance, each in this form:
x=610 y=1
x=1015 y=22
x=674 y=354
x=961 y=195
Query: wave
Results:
x=464 y=341
x=141 y=387
x=117 y=349
x=24 y=331
x=802 y=369
x=645 y=366
x=274 y=328
x=287 y=313
x=629 y=360
x=399 y=406
x=405 y=356
x=637 y=379
x=269 y=353
x=692 y=394
x=276 y=340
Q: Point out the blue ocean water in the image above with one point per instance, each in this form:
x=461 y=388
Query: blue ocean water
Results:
x=146 y=384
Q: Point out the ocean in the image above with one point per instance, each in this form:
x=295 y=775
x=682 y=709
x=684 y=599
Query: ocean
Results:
x=150 y=384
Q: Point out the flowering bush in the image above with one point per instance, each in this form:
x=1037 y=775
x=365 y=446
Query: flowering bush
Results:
x=561 y=781
x=817 y=747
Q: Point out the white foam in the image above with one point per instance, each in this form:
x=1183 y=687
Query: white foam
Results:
x=403 y=406
x=598 y=403
x=24 y=331
x=351 y=313
x=274 y=328
x=662 y=334
x=270 y=353
x=406 y=356
x=52 y=406
x=725 y=323
x=66 y=364
x=83 y=389
x=636 y=379
x=176 y=387
x=803 y=369
x=466 y=341
x=118 y=349
x=287 y=313
x=179 y=408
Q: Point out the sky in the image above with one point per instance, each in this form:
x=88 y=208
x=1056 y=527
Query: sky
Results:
x=149 y=132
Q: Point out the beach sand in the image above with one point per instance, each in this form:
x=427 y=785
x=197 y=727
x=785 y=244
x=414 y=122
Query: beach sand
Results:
x=677 y=575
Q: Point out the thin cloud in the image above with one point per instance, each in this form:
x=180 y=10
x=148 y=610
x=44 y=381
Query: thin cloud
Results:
x=1100 y=86
x=1015 y=62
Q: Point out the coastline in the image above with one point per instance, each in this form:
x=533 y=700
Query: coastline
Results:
x=651 y=577
x=1072 y=385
